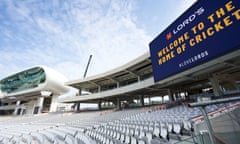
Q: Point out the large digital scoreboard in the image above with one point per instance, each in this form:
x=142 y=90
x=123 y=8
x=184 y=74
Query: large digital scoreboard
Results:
x=207 y=30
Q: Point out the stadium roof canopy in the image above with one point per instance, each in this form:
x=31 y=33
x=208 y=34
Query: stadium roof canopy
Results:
x=136 y=78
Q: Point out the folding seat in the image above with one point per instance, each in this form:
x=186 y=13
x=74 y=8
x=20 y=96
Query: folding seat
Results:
x=141 y=133
x=156 y=131
x=136 y=132
x=177 y=128
x=149 y=136
x=69 y=139
x=124 y=129
x=104 y=139
x=58 y=141
x=108 y=132
x=15 y=140
x=111 y=142
x=145 y=127
x=57 y=133
x=39 y=137
x=111 y=133
x=131 y=131
x=27 y=139
x=118 y=135
x=6 y=140
x=133 y=140
x=187 y=125
x=68 y=130
x=107 y=141
x=164 y=133
x=100 y=138
x=4 y=135
x=127 y=139
x=50 y=136
x=169 y=127
x=114 y=134
x=122 y=137
x=141 y=142
x=85 y=139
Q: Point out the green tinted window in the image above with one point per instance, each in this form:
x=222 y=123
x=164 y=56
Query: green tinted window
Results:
x=24 y=80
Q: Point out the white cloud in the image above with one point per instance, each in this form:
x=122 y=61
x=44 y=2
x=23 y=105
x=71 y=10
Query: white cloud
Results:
x=63 y=34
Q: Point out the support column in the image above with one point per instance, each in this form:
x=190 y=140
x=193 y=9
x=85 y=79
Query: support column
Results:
x=215 y=85
x=149 y=100
x=99 y=104
x=17 y=107
x=78 y=106
x=170 y=95
x=118 y=104
x=40 y=104
x=141 y=100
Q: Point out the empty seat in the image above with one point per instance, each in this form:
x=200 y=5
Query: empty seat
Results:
x=133 y=140
x=164 y=133
x=39 y=137
x=177 y=128
x=127 y=139
x=69 y=139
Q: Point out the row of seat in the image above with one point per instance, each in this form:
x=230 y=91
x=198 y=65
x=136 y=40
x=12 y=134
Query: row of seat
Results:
x=136 y=126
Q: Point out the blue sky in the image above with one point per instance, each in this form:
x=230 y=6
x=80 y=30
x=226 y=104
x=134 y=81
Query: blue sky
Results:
x=61 y=34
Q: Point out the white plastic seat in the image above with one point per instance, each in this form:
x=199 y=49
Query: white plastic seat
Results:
x=163 y=133
x=69 y=139
x=133 y=140
x=39 y=137
x=156 y=131
x=176 y=128
x=127 y=139
x=122 y=138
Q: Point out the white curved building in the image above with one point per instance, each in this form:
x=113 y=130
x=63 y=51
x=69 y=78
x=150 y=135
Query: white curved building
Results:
x=34 y=90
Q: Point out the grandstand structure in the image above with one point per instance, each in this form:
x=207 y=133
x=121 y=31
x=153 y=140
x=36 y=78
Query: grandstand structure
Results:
x=205 y=73
x=134 y=80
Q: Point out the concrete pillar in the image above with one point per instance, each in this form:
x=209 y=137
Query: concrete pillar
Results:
x=99 y=105
x=149 y=100
x=139 y=79
x=170 y=95
x=215 y=85
x=17 y=107
x=118 y=85
x=40 y=104
x=78 y=107
x=141 y=100
x=99 y=89
x=118 y=104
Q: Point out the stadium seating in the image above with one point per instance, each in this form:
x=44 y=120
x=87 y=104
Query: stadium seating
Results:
x=134 y=126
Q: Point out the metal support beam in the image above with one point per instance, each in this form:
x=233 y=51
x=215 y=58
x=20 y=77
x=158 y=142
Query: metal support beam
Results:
x=117 y=82
x=202 y=106
x=132 y=73
x=211 y=102
x=99 y=86
x=89 y=60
